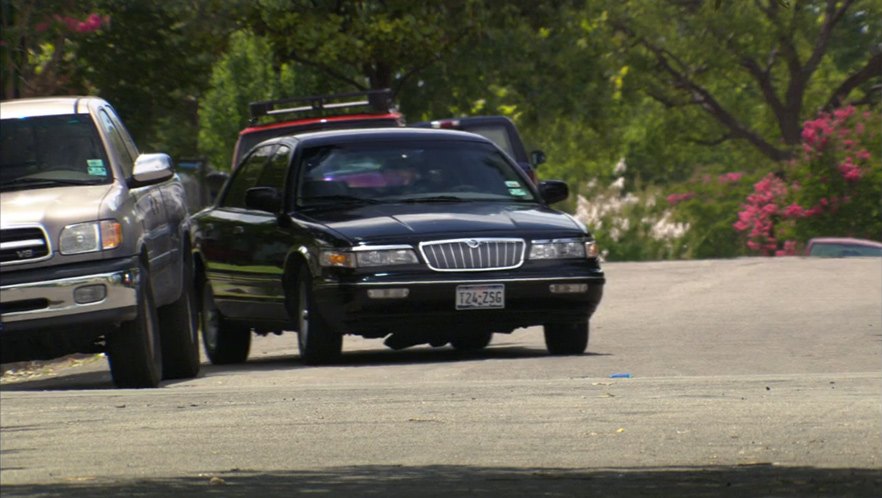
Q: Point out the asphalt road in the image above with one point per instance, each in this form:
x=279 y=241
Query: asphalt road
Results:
x=748 y=377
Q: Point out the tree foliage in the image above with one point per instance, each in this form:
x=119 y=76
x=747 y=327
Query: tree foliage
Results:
x=40 y=40
x=366 y=44
x=756 y=69
x=682 y=90
x=244 y=74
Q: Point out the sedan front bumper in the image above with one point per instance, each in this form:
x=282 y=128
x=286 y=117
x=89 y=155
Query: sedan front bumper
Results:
x=430 y=304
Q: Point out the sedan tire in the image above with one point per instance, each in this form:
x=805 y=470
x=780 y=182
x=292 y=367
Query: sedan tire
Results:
x=566 y=338
x=225 y=342
x=317 y=341
x=179 y=326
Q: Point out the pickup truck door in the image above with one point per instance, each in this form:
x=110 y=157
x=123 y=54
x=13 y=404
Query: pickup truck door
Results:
x=159 y=218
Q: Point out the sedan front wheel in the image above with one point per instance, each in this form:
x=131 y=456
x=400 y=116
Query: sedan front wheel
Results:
x=317 y=341
x=225 y=342
x=566 y=338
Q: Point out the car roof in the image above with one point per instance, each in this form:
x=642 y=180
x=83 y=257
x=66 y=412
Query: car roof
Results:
x=844 y=240
x=391 y=117
x=48 y=106
x=379 y=134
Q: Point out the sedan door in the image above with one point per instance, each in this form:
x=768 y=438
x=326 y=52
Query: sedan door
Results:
x=245 y=248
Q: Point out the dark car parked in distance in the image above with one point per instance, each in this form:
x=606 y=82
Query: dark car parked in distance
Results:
x=418 y=236
x=500 y=130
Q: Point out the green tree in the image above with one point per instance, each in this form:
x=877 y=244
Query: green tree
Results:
x=754 y=70
x=153 y=61
x=366 y=44
x=244 y=74
x=40 y=42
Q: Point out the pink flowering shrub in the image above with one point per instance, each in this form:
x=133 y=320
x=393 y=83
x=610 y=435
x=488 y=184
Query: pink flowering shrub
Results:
x=93 y=22
x=833 y=189
x=674 y=199
x=708 y=204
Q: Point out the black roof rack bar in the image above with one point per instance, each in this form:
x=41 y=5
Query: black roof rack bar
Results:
x=377 y=100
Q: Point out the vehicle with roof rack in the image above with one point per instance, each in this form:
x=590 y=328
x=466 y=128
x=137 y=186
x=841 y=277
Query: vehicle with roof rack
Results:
x=288 y=116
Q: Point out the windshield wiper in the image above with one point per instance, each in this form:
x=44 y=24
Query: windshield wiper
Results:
x=434 y=198
x=318 y=200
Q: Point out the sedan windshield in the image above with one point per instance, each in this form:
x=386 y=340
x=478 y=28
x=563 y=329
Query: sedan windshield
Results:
x=51 y=150
x=409 y=172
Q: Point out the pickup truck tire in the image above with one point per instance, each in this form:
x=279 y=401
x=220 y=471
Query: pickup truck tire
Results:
x=566 y=338
x=134 y=350
x=471 y=341
x=317 y=341
x=179 y=329
x=225 y=342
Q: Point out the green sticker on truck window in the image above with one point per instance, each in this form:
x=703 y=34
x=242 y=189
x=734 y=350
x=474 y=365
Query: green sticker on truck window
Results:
x=96 y=167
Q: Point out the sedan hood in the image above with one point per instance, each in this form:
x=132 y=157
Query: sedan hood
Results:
x=469 y=219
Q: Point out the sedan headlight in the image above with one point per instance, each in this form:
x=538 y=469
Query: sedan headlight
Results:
x=90 y=237
x=562 y=249
x=368 y=257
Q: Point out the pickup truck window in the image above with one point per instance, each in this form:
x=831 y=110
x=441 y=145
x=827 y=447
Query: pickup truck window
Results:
x=63 y=148
x=113 y=133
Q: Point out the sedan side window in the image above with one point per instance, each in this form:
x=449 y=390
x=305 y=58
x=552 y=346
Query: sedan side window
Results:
x=274 y=172
x=246 y=177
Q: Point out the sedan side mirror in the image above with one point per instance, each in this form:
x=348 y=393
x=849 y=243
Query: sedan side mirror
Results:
x=263 y=199
x=553 y=191
x=151 y=169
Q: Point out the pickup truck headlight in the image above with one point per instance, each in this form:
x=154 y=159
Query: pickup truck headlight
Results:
x=562 y=249
x=368 y=257
x=90 y=237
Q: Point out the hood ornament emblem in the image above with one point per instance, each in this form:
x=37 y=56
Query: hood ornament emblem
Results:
x=472 y=243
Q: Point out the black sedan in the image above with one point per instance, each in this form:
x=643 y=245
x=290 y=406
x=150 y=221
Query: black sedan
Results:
x=417 y=236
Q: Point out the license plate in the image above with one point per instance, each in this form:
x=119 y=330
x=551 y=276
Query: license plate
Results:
x=477 y=297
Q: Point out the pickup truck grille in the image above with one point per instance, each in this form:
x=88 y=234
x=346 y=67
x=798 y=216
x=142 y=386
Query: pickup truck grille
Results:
x=473 y=254
x=23 y=244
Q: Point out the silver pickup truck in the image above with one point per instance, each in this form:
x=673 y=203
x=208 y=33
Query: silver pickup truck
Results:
x=94 y=244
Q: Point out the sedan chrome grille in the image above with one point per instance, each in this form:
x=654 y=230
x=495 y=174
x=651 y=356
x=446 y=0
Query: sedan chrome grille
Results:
x=23 y=245
x=473 y=254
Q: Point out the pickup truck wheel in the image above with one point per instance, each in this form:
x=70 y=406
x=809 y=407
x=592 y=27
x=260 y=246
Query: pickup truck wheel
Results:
x=471 y=341
x=566 y=338
x=179 y=327
x=225 y=342
x=317 y=341
x=134 y=350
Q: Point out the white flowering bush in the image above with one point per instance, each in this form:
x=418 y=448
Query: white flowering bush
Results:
x=630 y=226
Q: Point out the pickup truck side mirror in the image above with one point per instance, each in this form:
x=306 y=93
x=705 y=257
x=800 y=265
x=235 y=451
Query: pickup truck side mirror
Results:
x=151 y=169
x=263 y=199
x=553 y=191
x=537 y=157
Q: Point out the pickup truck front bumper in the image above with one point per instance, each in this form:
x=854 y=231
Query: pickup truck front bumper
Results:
x=67 y=297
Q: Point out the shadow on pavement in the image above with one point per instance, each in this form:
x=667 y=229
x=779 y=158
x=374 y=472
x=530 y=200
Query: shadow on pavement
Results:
x=461 y=481
x=69 y=380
